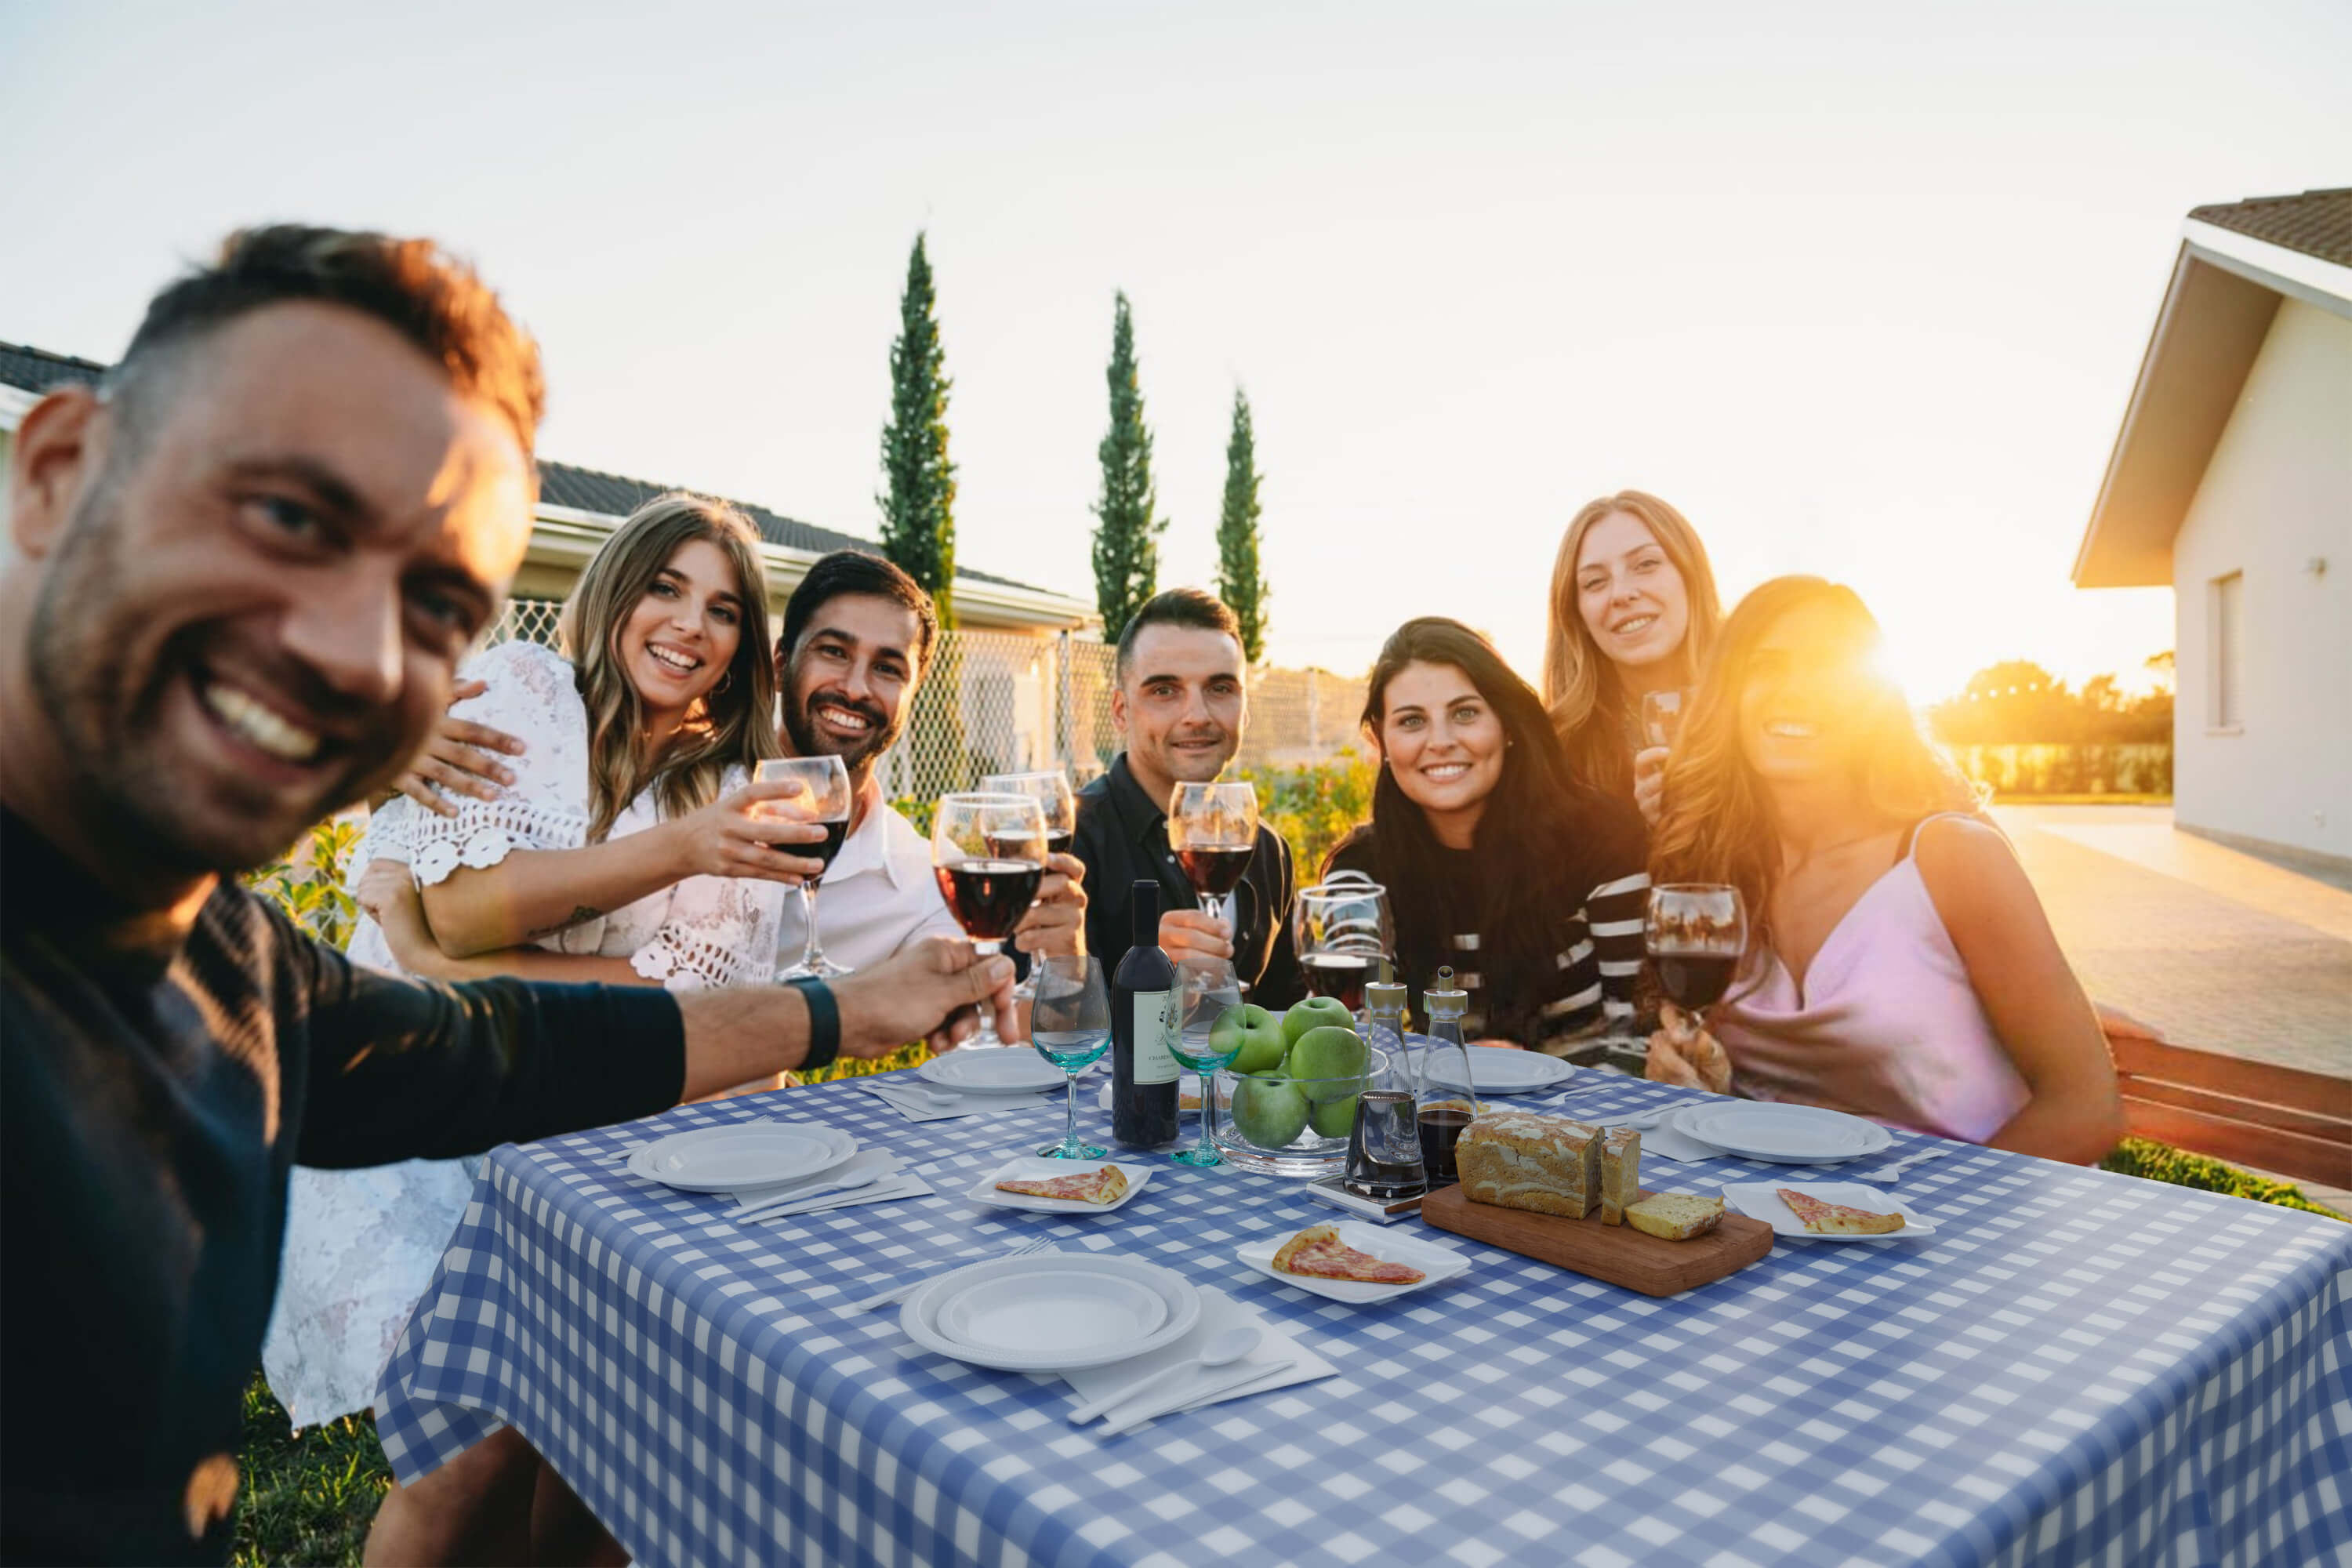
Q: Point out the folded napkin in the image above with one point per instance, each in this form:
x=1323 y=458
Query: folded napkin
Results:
x=918 y=1107
x=1219 y=1312
x=890 y=1189
x=864 y=1163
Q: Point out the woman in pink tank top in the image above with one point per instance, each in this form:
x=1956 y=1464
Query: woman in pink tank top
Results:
x=1900 y=966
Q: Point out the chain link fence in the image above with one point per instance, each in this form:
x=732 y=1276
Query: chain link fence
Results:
x=1008 y=701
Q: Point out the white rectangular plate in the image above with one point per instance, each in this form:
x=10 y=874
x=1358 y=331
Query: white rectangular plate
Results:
x=1438 y=1264
x=1761 y=1199
x=1035 y=1168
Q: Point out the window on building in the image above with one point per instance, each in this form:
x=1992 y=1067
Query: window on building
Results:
x=2229 y=637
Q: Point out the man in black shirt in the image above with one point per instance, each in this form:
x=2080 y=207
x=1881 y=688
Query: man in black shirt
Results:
x=1182 y=701
x=246 y=569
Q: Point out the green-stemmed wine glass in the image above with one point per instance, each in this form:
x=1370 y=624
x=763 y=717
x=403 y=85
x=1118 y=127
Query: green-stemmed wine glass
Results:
x=1210 y=988
x=1069 y=1023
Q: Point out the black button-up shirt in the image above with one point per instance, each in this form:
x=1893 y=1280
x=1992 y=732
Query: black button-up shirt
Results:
x=1122 y=839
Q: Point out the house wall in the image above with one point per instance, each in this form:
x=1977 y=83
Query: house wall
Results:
x=2276 y=498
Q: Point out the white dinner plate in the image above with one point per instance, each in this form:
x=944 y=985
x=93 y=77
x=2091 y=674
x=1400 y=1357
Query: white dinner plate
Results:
x=1438 y=1264
x=1761 y=1199
x=1498 y=1069
x=1009 y=1070
x=1038 y=1168
x=750 y=1154
x=920 y=1317
x=1782 y=1135
x=1072 y=1308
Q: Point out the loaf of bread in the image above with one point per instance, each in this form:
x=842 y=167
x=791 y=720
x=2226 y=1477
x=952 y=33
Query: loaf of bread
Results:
x=1621 y=1173
x=1518 y=1160
x=1676 y=1216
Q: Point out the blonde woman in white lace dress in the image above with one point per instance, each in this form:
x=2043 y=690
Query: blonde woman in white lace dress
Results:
x=623 y=851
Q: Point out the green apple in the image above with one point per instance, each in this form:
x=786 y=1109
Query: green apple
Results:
x=1315 y=1013
x=1252 y=1034
x=1269 y=1111
x=1332 y=1055
x=1335 y=1118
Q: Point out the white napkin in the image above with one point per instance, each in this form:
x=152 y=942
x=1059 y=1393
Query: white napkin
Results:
x=861 y=1163
x=890 y=1189
x=915 y=1107
x=1219 y=1312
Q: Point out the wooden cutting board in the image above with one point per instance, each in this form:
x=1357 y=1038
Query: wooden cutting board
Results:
x=1616 y=1253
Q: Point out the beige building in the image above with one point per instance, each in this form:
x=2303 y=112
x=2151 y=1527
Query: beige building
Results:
x=2232 y=482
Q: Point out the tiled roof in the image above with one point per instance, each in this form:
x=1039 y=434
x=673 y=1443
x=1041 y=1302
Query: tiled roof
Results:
x=559 y=484
x=2316 y=222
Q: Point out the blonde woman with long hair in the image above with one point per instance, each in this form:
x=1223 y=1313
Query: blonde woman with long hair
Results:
x=1899 y=966
x=1633 y=610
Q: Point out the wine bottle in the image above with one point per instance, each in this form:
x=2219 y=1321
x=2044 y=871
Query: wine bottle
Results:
x=1144 y=1017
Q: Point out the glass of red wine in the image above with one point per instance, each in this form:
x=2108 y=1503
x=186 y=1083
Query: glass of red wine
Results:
x=1213 y=828
x=989 y=853
x=1342 y=930
x=1697 y=933
x=827 y=799
x=1051 y=790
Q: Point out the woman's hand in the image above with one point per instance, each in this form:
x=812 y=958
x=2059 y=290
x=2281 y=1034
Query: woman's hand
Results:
x=456 y=760
x=730 y=838
x=388 y=892
x=1650 y=782
x=1194 y=934
x=1683 y=1053
x=1057 y=921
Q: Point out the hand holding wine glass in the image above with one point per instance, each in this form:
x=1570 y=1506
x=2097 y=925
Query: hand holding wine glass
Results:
x=989 y=853
x=827 y=799
x=1051 y=790
x=1696 y=934
x=1213 y=828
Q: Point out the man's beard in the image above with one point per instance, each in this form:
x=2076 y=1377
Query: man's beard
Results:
x=808 y=740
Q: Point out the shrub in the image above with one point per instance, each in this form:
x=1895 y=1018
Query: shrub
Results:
x=1314 y=805
x=308 y=884
x=2162 y=1163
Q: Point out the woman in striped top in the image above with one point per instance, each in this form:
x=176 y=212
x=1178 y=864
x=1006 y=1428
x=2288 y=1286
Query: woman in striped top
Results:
x=1530 y=886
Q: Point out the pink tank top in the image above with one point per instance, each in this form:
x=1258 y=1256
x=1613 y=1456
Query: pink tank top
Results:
x=1886 y=1027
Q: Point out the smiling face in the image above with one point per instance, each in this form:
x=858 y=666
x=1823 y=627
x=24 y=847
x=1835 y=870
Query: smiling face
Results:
x=1181 y=706
x=1806 y=696
x=1443 y=744
x=248 y=599
x=1630 y=596
x=847 y=686
x=682 y=637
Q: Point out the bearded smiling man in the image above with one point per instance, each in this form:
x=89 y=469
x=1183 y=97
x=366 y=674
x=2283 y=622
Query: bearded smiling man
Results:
x=246 y=571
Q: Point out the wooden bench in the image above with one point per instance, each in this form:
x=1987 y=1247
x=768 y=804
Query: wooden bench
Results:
x=2274 y=1119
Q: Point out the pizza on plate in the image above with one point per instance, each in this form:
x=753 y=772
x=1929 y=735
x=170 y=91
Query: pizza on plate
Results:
x=1318 y=1253
x=1826 y=1219
x=1107 y=1185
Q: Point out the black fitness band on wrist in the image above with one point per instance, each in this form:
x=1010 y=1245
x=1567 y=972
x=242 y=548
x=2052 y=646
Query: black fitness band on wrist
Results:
x=824 y=1023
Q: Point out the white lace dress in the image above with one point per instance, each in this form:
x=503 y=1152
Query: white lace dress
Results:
x=362 y=1246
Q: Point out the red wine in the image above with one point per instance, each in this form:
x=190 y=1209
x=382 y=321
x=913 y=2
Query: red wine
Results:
x=989 y=897
x=824 y=848
x=1337 y=974
x=1057 y=841
x=1695 y=980
x=1441 y=1128
x=1146 y=1010
x=1215 y=871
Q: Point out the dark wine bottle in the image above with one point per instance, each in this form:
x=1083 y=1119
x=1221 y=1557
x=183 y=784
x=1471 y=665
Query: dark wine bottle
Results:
x=1145 y=1008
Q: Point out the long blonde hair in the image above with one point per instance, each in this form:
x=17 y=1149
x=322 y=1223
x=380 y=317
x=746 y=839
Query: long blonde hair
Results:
x=1717 y=825
x=1581 y=688
x=734 y=722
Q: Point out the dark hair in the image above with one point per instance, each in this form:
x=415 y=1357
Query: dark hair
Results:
x=858 y=572
x=428 y=297
x=1192 y=608
x=1541 y=846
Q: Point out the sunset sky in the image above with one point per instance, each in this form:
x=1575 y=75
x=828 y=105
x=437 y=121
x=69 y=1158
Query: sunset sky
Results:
x=1861 y=288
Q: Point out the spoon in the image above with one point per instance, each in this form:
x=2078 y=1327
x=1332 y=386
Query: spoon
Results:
x=1222 y=1349
x=785 y=1200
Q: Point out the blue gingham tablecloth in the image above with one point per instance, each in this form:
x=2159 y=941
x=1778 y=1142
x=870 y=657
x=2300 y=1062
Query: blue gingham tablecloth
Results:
x=2077 y=1368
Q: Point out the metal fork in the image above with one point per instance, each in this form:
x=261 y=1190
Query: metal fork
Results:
x=897 y=1293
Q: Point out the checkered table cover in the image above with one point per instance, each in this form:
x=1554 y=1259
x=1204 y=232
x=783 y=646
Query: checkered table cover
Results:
x=2078 y=1368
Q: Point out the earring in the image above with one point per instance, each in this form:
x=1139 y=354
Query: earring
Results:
x=725 y=682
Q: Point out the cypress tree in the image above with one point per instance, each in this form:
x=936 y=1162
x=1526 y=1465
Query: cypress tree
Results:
x=919 y=504
x=1127 y=534
x=1239 y=581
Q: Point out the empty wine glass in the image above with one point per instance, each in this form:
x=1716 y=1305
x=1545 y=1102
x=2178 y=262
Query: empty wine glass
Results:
x=1697 y=933
x=1070 y=1026
x=1661 y=716
x=1051 y=790
x=825 y=798
x=989 y=853
x=1342 y=930
x=1210 y=988
x=1213 y=828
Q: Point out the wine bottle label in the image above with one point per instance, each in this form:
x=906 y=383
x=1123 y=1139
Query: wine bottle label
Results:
x=1157 y=1019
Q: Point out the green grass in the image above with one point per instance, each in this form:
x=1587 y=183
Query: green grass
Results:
x=306 y=1498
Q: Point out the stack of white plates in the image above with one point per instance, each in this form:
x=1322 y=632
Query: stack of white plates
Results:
x=1021 y=1071
x=1051 y=1311
x=1782 y=1135
x=747 y=1154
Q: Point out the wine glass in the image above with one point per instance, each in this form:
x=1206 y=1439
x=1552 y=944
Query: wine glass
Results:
x=1697 y=933
x=1070 y=1026
x=1051 y=790
x=1213 y=828
x=825 y=798
x=989 y=853
x=1661 y=715
x=1210 y=987
x=1342 y=930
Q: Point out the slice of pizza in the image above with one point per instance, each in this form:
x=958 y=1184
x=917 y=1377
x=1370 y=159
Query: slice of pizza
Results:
x=1835 y=1220
x=1318 y=1253
x=1107 y=1185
